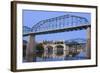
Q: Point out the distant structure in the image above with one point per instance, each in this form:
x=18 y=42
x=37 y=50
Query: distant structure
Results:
x=56 y=49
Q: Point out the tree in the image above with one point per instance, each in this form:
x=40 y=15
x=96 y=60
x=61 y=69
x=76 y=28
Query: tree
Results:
x=39 y=50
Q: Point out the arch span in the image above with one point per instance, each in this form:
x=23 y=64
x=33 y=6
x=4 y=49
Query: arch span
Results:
x=59 y=50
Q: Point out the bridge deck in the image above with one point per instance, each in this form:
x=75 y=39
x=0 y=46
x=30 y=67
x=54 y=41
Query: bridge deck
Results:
x=59 y=30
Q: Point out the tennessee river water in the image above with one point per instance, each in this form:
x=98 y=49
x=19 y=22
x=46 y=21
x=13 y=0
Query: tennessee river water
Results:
x=80 y=56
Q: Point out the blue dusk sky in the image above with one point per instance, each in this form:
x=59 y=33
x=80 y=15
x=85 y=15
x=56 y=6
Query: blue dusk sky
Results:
x=32 y=17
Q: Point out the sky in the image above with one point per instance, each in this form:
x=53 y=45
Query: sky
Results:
x=32 y=17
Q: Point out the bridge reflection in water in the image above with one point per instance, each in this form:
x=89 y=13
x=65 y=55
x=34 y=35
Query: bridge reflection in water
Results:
x=80 y=56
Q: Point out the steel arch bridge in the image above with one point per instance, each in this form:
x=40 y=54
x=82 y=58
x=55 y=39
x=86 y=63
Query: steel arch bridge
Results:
x=58 y=24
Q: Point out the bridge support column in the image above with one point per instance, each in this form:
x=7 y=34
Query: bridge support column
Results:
x=64 y=51
x=54 y=52
x=88 y=43
x=45 y=51
x=30 y=53
x=67 y=50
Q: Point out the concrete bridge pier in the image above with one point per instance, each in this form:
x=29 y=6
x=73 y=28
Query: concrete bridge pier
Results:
x=88 y=43
x=64 y=51
x=54 y=52
x=30 y=49
x=67 y=50
x=45 y=51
